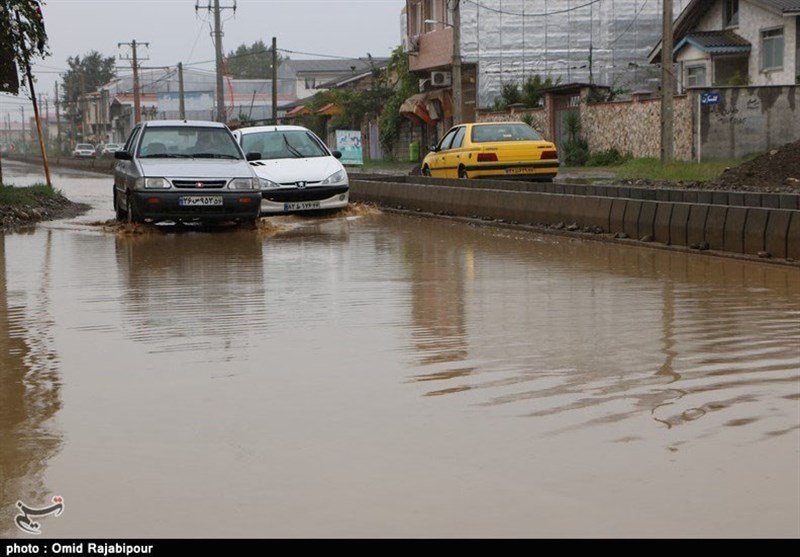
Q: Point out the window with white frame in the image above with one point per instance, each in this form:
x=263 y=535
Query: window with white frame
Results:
x=430 y=15
x=730 y=13
x=772 y=49
x=448 y=11
x=696 y=76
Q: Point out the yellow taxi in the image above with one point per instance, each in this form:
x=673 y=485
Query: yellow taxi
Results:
x=505 y=150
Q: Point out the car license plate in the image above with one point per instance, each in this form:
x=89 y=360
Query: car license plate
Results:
x=301 y=205
x=520 y=170
x=200 y=201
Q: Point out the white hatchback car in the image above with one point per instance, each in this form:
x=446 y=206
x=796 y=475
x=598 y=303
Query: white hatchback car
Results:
x=296 y=171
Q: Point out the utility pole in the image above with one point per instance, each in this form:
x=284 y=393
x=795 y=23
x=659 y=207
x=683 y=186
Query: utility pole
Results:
x=274 y=81
x=666 y=85
x=137 y=107
x=22 y=110
x=58 y=121
x=457 y=90
x=181 y=101
x=221 y=114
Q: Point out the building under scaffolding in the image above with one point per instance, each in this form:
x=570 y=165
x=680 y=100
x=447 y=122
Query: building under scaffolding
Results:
x=605 y=42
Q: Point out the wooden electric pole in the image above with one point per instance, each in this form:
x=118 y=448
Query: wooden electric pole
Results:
x=275 y=81
x=667 y=85
x=458 y=102
x=181 y=100
x=217 y=9
x=137 y=105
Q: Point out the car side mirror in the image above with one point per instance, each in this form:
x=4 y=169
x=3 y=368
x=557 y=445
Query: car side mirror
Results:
x=336 y=154
x=253 y=156
x=122 y=155
x=433 y=148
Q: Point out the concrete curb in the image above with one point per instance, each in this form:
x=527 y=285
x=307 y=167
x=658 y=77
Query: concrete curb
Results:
x=764 y=232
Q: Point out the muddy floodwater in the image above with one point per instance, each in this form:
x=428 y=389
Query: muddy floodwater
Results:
x=371 y=374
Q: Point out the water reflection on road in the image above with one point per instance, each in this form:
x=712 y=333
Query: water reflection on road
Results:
x=386 y=375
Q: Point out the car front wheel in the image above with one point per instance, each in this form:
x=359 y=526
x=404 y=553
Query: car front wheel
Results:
x=426 y=171
x=132 y=211
x=119 y=213
x=462 y=173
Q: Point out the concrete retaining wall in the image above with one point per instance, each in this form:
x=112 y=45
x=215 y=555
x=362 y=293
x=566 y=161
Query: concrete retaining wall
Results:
x=753 y=230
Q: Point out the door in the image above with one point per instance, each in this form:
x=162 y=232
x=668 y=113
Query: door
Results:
x=438 y=160
x=455 y=156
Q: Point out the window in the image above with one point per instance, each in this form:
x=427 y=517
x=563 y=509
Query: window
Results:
x=447 y=140
x=458 y=140
x=696 y=76
x=730 y=13
x=772 y=49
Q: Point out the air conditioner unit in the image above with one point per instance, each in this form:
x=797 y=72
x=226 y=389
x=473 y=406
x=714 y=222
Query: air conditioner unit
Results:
x=441 y=79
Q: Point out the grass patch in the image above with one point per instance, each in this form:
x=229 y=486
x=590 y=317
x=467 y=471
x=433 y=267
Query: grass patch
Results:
x=11 y=196
x=675 y=171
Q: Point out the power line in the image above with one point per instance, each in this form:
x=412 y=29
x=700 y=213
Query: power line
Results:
x=500 y=11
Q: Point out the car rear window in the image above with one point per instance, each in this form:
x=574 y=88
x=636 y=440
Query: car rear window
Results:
x=504 y=132
x=84 y=146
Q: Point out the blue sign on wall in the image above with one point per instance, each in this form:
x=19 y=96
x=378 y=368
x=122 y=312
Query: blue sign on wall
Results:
x=710 y=98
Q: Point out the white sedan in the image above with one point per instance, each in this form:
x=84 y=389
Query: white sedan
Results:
x=296 y=171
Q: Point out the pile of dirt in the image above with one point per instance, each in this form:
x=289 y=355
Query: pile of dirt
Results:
x=777 y=172
x=42 y=208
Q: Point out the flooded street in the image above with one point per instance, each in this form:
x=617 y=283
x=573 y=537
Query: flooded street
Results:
x=371 y=374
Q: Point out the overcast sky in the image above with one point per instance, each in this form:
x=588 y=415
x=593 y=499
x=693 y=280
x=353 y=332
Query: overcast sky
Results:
x=350 y=28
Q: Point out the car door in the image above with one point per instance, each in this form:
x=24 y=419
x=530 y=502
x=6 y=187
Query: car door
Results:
x=437 y=164
x=125 y=171
x=454 y=157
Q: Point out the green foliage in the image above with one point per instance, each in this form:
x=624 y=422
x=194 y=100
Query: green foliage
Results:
x=653 y=169
x=738 y=79
x=11 y=196
x=405 y=85
x=533 y=90
x=575 y=152
x=251 y=62
x=22 y=38
x=609 y=157
x=84 y=75
x=572 y=121
x=531 y=94
x=527 y=118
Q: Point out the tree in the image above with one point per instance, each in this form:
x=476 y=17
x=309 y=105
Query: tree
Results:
x=83 y=76
x=251 y=62
x=22 y=38
x=405 y=85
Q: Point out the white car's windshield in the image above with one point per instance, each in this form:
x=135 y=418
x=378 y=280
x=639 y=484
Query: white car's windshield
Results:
x=283 y=144
x=84 y=147
x=188 y=142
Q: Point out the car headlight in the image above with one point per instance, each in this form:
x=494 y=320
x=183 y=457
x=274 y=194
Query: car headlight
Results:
x=335 y=178
x=242 y=184
x=156 y=184
x=267 y=184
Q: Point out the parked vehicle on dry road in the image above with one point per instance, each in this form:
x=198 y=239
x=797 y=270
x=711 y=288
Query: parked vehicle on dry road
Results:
x=84 y=151
x=507 y=150
x=296 y=171
x=176 y=170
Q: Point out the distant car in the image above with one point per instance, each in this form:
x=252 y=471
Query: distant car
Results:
x=110 y=148
x=507 y=150
x=181 y=171
x=83 y=151
x=296 y=171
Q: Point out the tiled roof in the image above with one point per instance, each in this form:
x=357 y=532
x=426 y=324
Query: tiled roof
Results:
x=784 y=5
x=715 y=42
